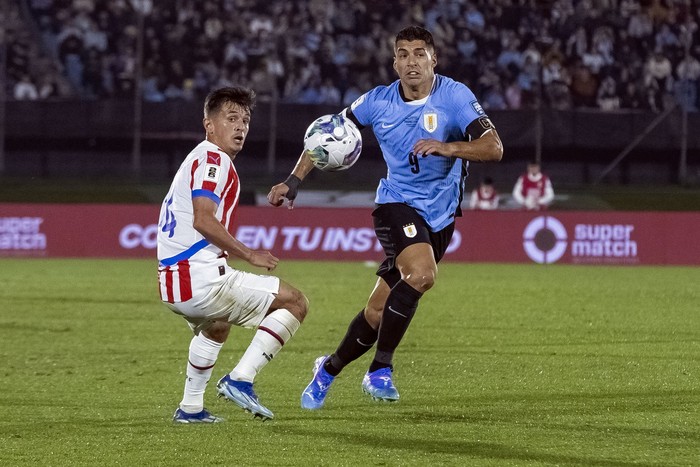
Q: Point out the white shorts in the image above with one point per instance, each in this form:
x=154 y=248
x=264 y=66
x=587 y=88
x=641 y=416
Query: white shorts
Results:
x=241 y=298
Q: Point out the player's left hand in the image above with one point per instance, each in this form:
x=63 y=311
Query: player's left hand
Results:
x=263 y=259
x=423 y=147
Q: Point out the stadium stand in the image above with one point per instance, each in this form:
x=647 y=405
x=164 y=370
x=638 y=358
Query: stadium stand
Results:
x=606 y=54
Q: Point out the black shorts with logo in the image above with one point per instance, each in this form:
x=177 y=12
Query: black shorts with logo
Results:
x=397 y=226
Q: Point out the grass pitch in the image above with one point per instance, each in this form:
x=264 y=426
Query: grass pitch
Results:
x=502 y=365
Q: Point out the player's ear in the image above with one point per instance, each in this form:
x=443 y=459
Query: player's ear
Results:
x=206 y=123
x=394 y=65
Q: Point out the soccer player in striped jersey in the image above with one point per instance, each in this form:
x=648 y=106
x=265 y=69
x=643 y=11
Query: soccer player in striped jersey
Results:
x=533 y=190
x=196 y=281
x=429 y=128
x=484 y=197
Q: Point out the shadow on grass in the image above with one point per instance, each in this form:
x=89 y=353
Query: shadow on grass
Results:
x=465 y=448
x=593 y=416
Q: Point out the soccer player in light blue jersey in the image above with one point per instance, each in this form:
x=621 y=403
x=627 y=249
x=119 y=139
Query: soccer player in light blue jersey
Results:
x=429 y=128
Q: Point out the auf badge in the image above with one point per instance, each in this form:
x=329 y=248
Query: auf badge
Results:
x=410 y=230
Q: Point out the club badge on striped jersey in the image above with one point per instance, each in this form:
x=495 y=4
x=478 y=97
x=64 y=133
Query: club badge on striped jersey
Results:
x=430 y=122
x=211 y=173
x=410 y=230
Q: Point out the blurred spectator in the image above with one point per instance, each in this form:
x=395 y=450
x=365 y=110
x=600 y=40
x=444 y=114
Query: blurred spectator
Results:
x=484 y=197
x=282 y=44
x=25 y=89
x=584 y=86
x=533 y=190
x=658 y=79
x=329 y=93
x=494 y=98
x=631 y=97
x=688 y=74
x=608 y=97
x=514 y=95
x=577 y=44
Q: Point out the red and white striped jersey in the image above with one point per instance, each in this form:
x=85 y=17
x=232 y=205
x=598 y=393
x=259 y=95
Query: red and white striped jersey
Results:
x=187 y=262
x=533 y=192
x=484 y=198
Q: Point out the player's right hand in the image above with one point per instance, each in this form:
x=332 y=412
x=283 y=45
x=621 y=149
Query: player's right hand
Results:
x=263 y=259
x=279 y=193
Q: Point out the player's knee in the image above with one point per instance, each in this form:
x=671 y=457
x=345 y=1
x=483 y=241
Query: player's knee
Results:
x=299 y=305
x=421 y=279
x=373 y=315
x=218 y=331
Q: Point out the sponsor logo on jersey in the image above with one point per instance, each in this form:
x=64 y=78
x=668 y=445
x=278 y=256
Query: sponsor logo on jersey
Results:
x=211 y=173
x=213 y=158
x=410 y=230
x=477 y=107
x=410 y=121
x=430 y=122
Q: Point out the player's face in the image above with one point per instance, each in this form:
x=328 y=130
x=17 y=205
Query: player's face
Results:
x=533 y=169
x=415 y=62
x=228 y=127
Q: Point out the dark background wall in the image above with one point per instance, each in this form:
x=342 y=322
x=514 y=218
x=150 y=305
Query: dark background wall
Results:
x=95 y=138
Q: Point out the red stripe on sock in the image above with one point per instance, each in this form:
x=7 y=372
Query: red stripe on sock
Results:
x=200 y=368
x=272 y=333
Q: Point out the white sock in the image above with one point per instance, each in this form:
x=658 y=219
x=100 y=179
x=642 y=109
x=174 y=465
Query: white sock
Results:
x=202 y=357
x=274 y=331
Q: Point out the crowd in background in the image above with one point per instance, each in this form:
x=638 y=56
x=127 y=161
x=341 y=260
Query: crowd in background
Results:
x=607 y=54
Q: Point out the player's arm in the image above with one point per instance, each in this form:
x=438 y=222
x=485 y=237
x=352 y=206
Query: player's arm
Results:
x=206 y=223
x=548 y=195
x=289 y=188
x=473 y=200
x=485 y=146
x=518 y=191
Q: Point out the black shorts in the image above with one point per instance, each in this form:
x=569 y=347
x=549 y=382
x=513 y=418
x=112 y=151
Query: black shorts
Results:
x=397 y=226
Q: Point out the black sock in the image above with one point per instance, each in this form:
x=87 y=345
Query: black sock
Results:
x=399 y=309
x=359 y=338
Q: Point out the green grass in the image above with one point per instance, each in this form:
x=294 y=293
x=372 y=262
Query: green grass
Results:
x=503 y=365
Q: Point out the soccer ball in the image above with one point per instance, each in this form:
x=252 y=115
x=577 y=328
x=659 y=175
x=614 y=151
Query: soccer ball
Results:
x=333 y=142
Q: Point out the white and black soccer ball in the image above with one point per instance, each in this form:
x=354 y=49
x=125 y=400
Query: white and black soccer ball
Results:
x=333 y=142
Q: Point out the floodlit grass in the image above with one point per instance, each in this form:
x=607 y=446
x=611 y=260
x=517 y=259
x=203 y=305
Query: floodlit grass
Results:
x=503 y=365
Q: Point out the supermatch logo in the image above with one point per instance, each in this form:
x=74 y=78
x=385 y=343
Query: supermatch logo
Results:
x=22 y=235
x=546 y=240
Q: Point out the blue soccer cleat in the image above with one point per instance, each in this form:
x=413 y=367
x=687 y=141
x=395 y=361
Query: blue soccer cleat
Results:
x=241 y=393
x=204 y=416
x=378 y=384
x=314 y=395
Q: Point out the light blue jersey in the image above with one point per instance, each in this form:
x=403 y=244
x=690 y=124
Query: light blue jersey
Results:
x=431 y=185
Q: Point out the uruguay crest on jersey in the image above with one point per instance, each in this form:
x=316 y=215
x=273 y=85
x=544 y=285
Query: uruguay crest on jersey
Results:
x=430 y=122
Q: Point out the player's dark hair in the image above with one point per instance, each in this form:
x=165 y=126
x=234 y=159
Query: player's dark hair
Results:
x=415 y=33
x=235 y=94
